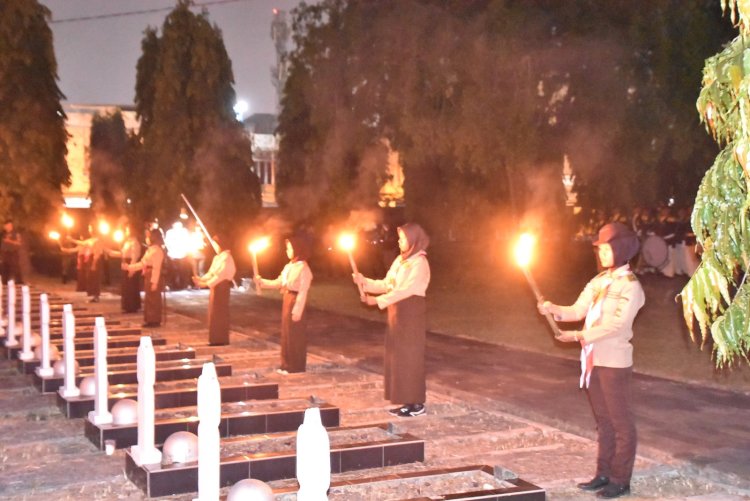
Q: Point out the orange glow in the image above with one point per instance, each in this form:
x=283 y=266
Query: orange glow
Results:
x=259 y=245
x=54 y=235
x=104 y=227
x=347 y=242
x=67 y=221
x=524 y=249
x=118 y=236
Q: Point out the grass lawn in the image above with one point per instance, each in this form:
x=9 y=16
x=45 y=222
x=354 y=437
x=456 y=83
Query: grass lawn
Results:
x=498 y=307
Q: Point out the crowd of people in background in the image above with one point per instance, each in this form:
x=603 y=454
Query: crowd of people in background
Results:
x=668 y=244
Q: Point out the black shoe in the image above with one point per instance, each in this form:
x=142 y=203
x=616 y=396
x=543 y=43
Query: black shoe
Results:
x=416 y=410
x=399 y=411
x=594 y=484
x=612 y=491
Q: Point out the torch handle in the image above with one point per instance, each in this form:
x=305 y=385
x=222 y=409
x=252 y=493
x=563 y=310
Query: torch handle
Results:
x=200 y=223
x=553 y=325
x=355 y=271
x=255 y=272
x=539 y=298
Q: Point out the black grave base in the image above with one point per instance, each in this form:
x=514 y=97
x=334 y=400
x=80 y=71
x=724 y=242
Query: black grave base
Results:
x=162 y=480
x=77 y=407
x=232 y=424
x=517 y=489
x=116 y=375
x=126 y=355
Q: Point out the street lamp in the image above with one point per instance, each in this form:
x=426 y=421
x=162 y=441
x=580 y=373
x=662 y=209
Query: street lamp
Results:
x=240 y=107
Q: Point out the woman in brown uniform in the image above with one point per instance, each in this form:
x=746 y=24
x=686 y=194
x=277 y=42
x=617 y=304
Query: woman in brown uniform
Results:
x=218 y=278
x=130 y=284
x=402 y=291
x=294 y=282
x=153 y=282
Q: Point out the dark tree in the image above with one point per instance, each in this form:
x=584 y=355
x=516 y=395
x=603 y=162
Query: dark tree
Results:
x=184 y=97
x=482 y=100
x=107 y=175
x=32 y=123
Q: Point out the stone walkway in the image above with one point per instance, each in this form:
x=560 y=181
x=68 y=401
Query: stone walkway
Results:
x=486 y=405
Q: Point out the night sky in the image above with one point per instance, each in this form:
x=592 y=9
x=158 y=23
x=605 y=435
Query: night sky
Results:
x=97 y=57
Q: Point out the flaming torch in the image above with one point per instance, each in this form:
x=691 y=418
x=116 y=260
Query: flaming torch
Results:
x=54 y=235
x=256 y=246
x=104 y=227
x=118 y=236
x=67 y=221
x=347 y=242
x=524 y=251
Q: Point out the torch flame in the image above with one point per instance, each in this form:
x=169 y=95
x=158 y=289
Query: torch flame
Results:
x=54 y=235
x=524 y=249
x=259 y=245
x=118 y=236
x=104 y=227
x=67 y=221
x=347 y=242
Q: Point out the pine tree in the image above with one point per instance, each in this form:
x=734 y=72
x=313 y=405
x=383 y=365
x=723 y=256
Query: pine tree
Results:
x=32 y=122
x=718 y=295
x=184 y=97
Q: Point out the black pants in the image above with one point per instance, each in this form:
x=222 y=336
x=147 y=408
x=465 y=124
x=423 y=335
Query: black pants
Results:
x=611 y=401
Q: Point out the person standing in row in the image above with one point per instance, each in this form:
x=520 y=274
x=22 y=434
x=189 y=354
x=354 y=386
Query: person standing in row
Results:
x=152 y=265
x=402 y=292
x=294 y=283
x=219 y=279
x=10 y=253
x=609 y=304
x=93 y=251
x=130 y=283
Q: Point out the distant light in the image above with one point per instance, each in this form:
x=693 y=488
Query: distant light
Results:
x=77 y=203
x=671 y=201
x=240 y=107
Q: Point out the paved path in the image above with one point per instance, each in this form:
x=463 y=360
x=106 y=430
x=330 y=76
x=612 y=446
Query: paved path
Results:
x=706 y=426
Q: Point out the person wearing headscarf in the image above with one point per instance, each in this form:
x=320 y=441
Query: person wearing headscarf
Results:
x=152 y=265
x=609 y=304
x=218 y=279
x=294 y=283
x=130 y=284
x=93 y=263
x=402 y=293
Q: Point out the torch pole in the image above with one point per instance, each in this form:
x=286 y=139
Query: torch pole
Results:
x=200 y=223
x=258 y=290
x=532 y=283
x=355 y=271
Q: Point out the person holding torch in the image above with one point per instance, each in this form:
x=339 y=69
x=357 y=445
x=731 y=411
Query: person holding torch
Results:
x=294 y=283
x=93 y=259
x=219 y=279
x=609 y=304
x=152 y=265
x=402 y=292
x=130 y=283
